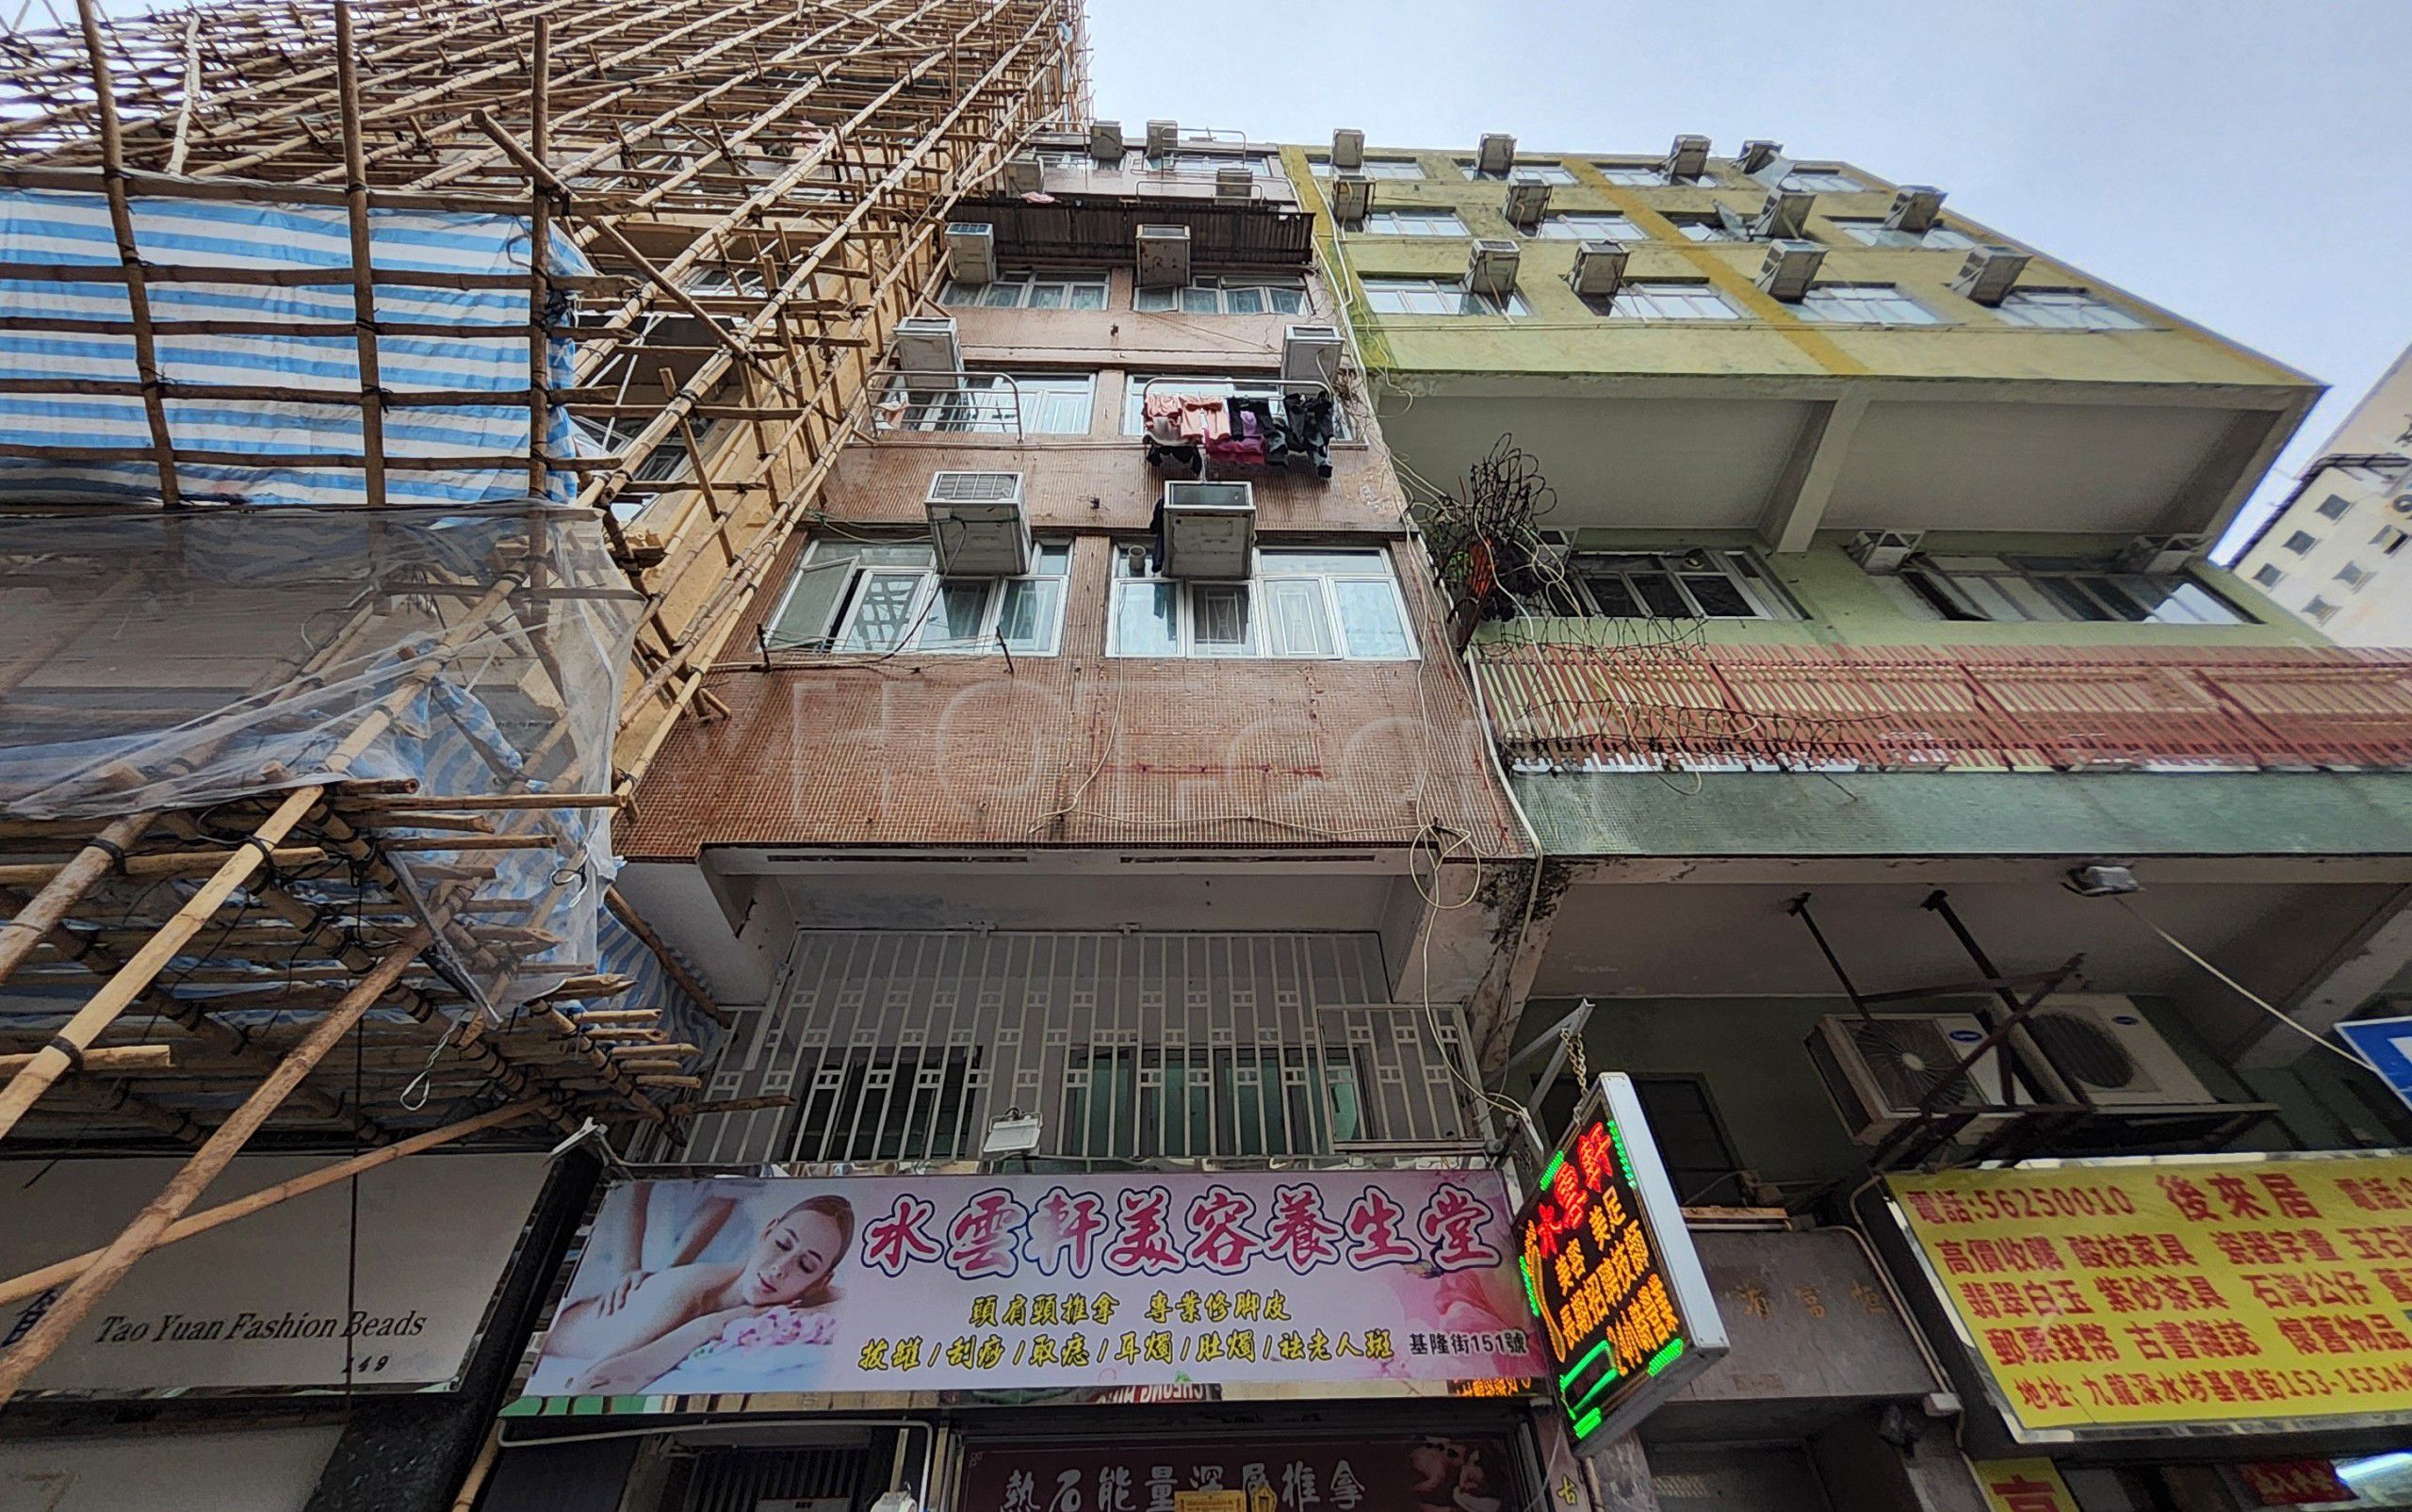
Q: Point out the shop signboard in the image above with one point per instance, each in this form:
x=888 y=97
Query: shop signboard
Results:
x=756 y=1291
x=1625 y=1310
x=2152 y=1296
x=1416 y=1472
x=2022 y=1486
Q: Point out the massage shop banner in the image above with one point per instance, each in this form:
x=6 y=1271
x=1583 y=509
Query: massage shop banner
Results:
x=775 y=1287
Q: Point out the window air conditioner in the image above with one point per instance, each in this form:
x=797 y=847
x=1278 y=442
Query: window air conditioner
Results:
x=1348 y=149
x=1209 y=530
x=1106 y=142
x=1497 y=153
x=1022 y=175
x=1491 y=267
x=2160 y=554
x=1789 y=267
x=971 y=251
x=1527 y=200
x=1352 y=196
x=1162 y=136
x=1311 y=354
x=2110 y=1056
x=1881 y=553
x=928 y=356
x=1914 y=207
x=978 y=524
x=1764 y=161
x=1784 y=215
x=1988 y=275
x=1234 y=182
x=1599 y=268
x=1686 y=159
x=1878 y=1067
x=1163 y=256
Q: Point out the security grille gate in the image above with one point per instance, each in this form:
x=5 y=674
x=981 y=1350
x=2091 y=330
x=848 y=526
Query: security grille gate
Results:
x=815 y=1479
x=1132 y=1049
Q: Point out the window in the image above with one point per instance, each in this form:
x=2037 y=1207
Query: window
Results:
x=1650 y=176
x=2065 y=310
x=1876 y=234
x=2335 y=507
x=713 y=279
x=1687 y=585
x=1821 y=179
x=2061 y=589
x=2321 y=610
x=1692 y=1142
x=1049 y=404
x=1031 y=291
x=1414 y=224
x=1436 y=296
x=1705 y=228
x=881 y=596
x=1135 y=396
x=1401 y=168
x=1665 y=300
x=2390 y=540
x=1546 y=172
x=609 y=436
x=1873 y=304
x=1251 y=1101
x=1302 y=604
x=1589 y=225
x=2299 y=543
x=2352 y=575
x=2267 y=575
x=1228 y=295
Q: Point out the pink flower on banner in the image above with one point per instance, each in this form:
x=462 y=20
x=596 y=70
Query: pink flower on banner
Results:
x=896 y=1241
x=1300 y=1234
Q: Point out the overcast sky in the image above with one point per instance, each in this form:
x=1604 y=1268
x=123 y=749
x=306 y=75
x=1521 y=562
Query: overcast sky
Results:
x=2240 y=162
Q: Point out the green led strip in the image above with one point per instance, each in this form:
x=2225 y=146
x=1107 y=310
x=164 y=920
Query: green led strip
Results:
x=1568 y=1379
x=1597 y=1387
x=1551 y=1169
x=1585 y=1425
x=1532 y=1293
x=1624 y=1161
x=1666 y=1357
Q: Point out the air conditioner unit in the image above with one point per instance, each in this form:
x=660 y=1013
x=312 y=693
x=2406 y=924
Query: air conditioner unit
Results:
x=1106 y=142
x=1491 y=267
x=1687 y=158
x=1348 y=148
x=2161 y=553
x=1163 y=256
x=1311 y=354
x=1527 y=200
x=1209 y=530
x=1789 y=267
x=1162 y=136
x=2110 y=1055
x=1497 y=154
x=1233 y=182
x=1988 y=275
x=1784 y=215
x=1022 y=175
x=1599 y=268
x=978 y=524
x=1758 y=155
x=1352 y=196
x=970 y=251
x=1878 y=1066
x=1883 y=552
x=928 y=356
x=1914 y=207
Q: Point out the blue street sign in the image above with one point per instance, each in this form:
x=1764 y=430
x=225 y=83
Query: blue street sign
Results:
x=2386 y=1045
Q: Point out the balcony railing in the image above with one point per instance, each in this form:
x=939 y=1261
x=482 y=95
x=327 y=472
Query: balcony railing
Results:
x=1578 y=707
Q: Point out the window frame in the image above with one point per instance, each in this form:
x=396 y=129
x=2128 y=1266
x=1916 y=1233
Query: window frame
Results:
x=2016 y=307
x=1876 y=234
x=1546 y=230
x=2308 y=539
x=1512 y=308
x=1556 y=174
x=1741 y=570
x=1650 y=176
x=1031 y=279
x=2268 y=575
x=1373 y=168
x=1712 y=229
x=1257 y=638
x=1369 y=227
x=1889 y=293
x=1006 y=402
x=1942 y=580
x=2344 y=507
x=1833 y=179
x=1222 y=284
x=845 y=612
x=1687 y=289
x=666 y=469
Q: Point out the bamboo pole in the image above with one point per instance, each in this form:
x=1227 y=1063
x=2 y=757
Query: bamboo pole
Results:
x=110 y=1058
x=140 y=1237
x=64 y=890
x=158 y=864
x=364 y=289
x=662 y=952
x=33 y=1283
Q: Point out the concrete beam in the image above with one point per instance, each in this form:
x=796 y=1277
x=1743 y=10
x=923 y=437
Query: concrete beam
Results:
x=2355 y=972
x=1799 y=499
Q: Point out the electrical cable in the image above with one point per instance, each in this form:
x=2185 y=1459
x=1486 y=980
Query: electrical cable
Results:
x=2249 y=995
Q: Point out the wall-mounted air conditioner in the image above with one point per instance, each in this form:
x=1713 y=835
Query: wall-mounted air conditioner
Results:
x=1311 y=354
x=2161 y=553
x=1234 y=183
x=1163 y=255
x=970 y=251
x=1527 y=200
x=928 y=354
x=1782 y=216
x=1209 y=530
x=1883 y=552
x=1989 y=273
x=1106 y=142
x=1022 y=175
x=1599 y=268
x=1914 y=207
x=1490 y=268
x=1758 y=155
x=978 y=524
x=1686 y=159
x=1496 y=155
x=2110 y=1055
x=1162 y=136
x=1352 y=196
x=1878 y=1067
x=1348 y=148
x=1789 y=268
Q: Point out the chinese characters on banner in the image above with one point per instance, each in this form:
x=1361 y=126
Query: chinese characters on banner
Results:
x=2022 y=1486
x=879 y=1284
x=1423 y=1474
x=2132 y=1293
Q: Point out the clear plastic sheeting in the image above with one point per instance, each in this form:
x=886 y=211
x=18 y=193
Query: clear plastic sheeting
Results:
x=186 y=661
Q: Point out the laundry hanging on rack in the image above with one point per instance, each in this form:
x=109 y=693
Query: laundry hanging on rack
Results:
x=1186 y=432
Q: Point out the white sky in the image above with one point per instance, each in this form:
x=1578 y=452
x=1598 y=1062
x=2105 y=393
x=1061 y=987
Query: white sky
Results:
x=2240 y=162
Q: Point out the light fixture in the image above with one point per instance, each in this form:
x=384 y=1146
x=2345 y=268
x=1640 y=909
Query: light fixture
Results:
x=1014 y=1133
x=2101 y=880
